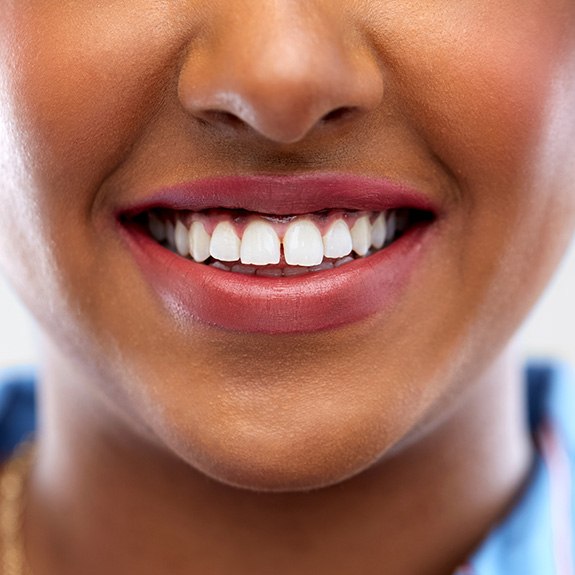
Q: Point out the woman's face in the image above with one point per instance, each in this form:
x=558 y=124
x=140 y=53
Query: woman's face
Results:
x=459 y=113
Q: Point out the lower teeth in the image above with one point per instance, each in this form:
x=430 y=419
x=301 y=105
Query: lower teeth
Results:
x=287 y=271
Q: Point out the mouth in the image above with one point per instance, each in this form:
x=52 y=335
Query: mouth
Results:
x=265 y=255
x=271 y=245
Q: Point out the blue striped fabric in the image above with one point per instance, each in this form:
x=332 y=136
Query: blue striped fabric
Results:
x=536 y=537
x=17 y=407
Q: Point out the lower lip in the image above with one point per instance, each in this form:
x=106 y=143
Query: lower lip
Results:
x=317 y=301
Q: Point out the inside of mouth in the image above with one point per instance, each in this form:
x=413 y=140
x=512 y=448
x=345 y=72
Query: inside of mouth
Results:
x=238 y=241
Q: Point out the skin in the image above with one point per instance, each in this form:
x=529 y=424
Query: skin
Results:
x=390 y=445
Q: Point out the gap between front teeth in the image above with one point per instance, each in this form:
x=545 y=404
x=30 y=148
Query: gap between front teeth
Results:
x=261 y=245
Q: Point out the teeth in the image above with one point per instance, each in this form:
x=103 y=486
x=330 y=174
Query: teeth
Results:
x=378 y=232
x=361 y=236
x=157 y=228
x=304 y=248
x=260 y=244
x=182 y=239
x=322 y=267
x=199 y=242
x=295 y=271
x=242 y=269
x=170 y=234
x=225 y=244
x=391 y=226
x=220 y=266
x=343 y=261
x=269 y=273
x=303 y=244
x=337 y=240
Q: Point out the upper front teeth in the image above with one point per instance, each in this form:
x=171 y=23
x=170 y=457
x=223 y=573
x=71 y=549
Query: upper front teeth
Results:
x=337 y=242
x=225 y=244
x=260 y=244
x=303 y=244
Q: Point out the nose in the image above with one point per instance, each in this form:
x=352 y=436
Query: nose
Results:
x=281 y=69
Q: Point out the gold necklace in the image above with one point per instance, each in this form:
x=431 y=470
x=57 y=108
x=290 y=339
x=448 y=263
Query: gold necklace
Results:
x=12 y=485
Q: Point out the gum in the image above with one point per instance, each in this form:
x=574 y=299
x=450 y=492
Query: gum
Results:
x=241 y=219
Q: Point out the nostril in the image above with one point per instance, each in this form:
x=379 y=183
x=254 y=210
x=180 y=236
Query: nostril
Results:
x=230 y=119
x=338 y=114
x=222 y=118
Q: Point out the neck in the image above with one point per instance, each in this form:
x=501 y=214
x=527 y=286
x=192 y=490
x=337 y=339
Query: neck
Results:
x=102 y=499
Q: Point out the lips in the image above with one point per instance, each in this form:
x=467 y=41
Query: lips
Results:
x=276 y=298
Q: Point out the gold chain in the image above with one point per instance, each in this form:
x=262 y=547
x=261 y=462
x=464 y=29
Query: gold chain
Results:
x=12 y=488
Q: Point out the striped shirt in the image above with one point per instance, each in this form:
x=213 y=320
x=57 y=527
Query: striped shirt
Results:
x=536 y=536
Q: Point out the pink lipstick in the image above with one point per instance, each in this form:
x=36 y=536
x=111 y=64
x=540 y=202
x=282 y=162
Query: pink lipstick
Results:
x=275 y=295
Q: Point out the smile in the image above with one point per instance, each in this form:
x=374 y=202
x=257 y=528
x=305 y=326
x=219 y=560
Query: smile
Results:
x=278 y=255
x=278 y=246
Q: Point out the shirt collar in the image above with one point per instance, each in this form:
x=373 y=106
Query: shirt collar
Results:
x=536 y=537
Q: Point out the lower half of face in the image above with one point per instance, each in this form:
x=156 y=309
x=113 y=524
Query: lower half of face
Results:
x=282 y=274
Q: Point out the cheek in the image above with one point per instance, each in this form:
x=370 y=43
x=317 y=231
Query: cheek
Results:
x=480 y=85
x=77 y=87
x=492 y=94
x=511 y=153
x=85 y=84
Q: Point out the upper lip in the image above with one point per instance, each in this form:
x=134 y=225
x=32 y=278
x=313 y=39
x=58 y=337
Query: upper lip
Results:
x=285 y=195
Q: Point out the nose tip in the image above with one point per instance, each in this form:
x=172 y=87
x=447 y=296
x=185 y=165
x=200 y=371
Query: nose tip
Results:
x=281 y=78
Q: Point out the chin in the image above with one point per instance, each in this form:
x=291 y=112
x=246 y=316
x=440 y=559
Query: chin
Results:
x=288 y=462
x=271 y=476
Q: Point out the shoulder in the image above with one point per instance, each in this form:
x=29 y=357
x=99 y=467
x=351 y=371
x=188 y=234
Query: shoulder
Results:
x=17 y=415
x=551 y=398
x=536 y=535
x=17 y=407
